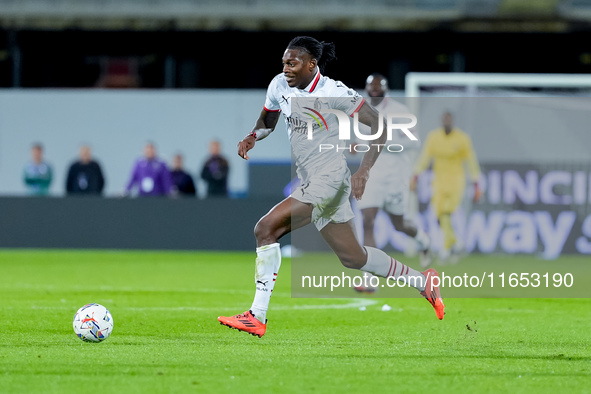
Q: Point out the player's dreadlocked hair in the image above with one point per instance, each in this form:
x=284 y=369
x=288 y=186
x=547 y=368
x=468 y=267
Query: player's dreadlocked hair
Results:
x=323 y=52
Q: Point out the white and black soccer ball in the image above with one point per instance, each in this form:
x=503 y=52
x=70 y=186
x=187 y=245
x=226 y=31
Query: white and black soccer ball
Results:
x=93 y=323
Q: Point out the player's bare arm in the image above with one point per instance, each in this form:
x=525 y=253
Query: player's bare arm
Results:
x=368 y=116
x=264 y=125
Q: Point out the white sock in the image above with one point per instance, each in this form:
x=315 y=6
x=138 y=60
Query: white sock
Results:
x=267 y=265
x=367 y=280
x=422 y=239
x=380 y=264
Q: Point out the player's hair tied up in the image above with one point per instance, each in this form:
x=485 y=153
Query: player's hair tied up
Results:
x=323 y=52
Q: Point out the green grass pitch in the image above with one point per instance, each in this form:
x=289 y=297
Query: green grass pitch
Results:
x=167 y=339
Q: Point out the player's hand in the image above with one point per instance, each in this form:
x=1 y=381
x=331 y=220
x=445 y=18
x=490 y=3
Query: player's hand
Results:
x=413 y=183
x=358 y=182
x=245 y=145
x=477 y=192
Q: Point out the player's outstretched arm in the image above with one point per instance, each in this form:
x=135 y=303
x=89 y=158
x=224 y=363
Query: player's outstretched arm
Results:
x=264 y=125
x=369 y=116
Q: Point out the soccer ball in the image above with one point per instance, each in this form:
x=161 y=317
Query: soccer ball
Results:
x=93 y=323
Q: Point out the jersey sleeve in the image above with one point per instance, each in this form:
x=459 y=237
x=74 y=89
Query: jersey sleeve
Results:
x=271 y=101
x=345 y=99
x=396 y=107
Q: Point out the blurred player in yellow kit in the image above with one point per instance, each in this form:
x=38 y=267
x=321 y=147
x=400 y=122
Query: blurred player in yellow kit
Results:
x=448 y=148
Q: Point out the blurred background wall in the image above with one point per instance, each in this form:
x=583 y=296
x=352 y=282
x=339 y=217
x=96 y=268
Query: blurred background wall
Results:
x=117 y=124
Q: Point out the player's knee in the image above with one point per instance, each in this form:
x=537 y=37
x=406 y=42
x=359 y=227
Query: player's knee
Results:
x=263 y=230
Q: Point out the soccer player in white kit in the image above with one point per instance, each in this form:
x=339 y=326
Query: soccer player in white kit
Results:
x=388 y=187
x=326 y=183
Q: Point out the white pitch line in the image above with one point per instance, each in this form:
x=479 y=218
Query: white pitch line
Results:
x=127 y=289
x=349 y=305
x=354 y=304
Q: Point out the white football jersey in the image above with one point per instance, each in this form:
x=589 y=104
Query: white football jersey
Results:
x=300 y=106
x=397 y=164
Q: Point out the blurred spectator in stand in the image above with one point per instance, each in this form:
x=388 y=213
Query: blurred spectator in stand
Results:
x=38 y=173
x=215 y=172
x=85 y=175
x=150 y=175
x=182 y=182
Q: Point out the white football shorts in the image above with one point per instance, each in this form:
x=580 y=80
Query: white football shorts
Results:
x=328 y=193
x=386 y=189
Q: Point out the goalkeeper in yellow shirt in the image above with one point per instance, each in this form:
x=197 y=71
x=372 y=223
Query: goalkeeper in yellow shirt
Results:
x=448 y=148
